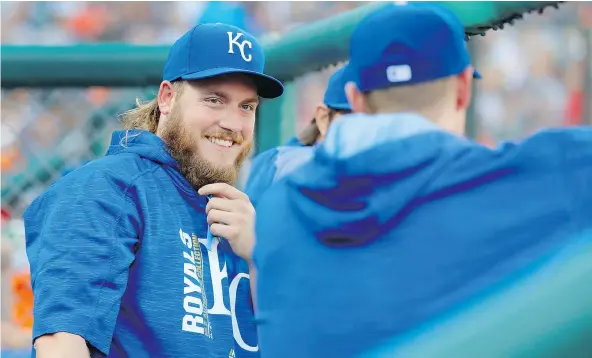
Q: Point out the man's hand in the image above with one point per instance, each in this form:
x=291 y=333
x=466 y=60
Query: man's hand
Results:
x=231 y=216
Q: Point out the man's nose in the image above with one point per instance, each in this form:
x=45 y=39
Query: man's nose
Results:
x=231 y=123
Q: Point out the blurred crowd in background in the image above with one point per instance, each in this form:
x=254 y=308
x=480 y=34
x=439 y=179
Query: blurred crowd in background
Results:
x=533 y=77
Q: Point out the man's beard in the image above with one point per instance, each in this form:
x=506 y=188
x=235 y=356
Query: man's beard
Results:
x=198 y=171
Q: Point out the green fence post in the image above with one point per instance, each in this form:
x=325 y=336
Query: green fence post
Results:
x=289 y=112
x=268 y=126
x=276 y=121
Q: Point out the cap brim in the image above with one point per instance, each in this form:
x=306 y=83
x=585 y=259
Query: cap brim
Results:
x=339 y=106
x=267 y=86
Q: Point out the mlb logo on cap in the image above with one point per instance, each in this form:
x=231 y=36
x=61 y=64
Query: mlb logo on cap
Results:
x=405 y=44
x=210 y=50
x=398 y=73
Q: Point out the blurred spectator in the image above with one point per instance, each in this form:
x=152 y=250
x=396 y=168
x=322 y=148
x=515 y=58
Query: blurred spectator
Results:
x=532 y=75
x=17 y=303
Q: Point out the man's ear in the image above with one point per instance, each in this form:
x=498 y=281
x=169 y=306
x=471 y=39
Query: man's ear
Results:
x=355 y=98
x=463 y=89
x=322 y=119
x=166 y=97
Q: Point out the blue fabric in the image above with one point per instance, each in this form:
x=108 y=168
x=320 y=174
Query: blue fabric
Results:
x=335 y=93
x=273 y=164
x=394 y=223
x=117 y=254
x=69 y=170
x=209 y=50
x=15 y=353
x=396 y=45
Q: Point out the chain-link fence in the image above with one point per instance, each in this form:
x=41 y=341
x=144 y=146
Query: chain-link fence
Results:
x=46 y=133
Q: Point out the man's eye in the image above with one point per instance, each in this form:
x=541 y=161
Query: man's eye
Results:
x=248 y=107
x=214 y=100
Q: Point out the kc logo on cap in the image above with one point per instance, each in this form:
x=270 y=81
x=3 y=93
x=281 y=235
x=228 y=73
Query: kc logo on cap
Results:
x=241 y=45
x=214 y=49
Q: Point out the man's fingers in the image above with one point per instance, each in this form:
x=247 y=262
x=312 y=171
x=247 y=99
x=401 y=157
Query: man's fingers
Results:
x=222 y=204
x=223 y=190
x=235 y=206
x=227 y=232
x=224 y=217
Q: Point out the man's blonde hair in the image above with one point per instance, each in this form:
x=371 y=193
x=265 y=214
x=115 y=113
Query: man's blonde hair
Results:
x=419 y=98
x=146 y=115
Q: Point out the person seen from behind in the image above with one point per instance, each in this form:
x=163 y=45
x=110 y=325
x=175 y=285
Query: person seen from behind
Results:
x=397 y=221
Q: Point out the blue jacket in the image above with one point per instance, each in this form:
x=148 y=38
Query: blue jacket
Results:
x=394 y=223
x=273 y=164
x=117 y=256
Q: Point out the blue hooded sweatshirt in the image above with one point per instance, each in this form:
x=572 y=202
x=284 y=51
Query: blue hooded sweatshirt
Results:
x=273 y=164
x=117 y=254
x=395 y=223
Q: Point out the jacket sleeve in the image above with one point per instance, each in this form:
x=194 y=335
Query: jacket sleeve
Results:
x=81 y=240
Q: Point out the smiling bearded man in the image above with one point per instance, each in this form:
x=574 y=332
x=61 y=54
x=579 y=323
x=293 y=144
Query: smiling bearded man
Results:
x=198 y=162
x=122 y=260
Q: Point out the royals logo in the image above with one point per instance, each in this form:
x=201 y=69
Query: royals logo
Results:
x=198 y=310
x=234 y=40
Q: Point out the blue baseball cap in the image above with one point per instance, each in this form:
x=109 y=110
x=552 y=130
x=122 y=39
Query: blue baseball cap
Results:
x=335 y=93
x=401 y=45
x=209 y=50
